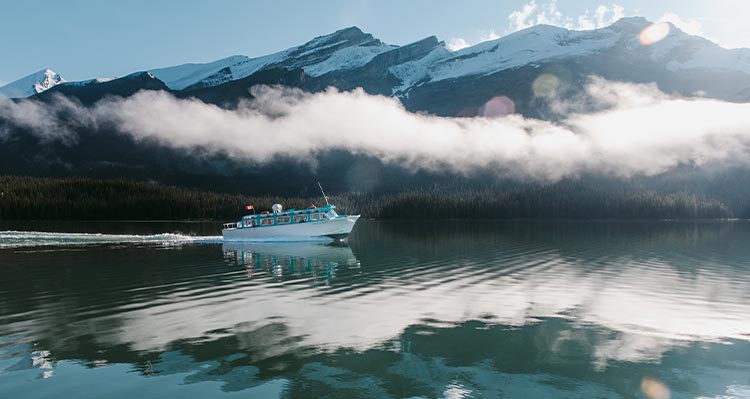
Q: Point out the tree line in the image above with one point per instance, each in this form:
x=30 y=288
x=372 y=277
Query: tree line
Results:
x=34 y=198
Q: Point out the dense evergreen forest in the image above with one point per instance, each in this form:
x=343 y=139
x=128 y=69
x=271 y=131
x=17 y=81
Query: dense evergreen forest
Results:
x=94 y=199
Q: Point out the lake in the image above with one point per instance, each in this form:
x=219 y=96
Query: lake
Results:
x=450 y=309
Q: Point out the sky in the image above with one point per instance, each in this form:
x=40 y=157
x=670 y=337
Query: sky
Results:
x=83 y=39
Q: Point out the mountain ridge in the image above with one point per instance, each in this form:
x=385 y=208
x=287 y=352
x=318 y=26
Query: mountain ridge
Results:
x=350 y=48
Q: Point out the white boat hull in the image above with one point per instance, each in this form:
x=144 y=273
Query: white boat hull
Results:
x=328 y=229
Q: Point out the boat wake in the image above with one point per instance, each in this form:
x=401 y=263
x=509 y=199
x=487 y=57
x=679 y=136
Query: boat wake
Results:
x=20 y=239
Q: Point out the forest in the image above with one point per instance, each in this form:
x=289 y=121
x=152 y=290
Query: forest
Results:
x=41 y=198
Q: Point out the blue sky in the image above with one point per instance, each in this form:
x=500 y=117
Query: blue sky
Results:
x=82 y=39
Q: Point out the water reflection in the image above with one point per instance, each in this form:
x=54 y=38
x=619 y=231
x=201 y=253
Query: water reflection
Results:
x=292 y=260
x=407 y=309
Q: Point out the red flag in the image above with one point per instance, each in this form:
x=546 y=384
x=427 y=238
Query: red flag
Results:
x=249 y=207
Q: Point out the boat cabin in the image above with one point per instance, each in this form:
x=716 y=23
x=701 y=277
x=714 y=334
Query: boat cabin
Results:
x=280 y=217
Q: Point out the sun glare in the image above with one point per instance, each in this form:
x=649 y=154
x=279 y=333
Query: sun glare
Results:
x=545 y=85
x=654 y=389
x=498 y=106
x=653 y=33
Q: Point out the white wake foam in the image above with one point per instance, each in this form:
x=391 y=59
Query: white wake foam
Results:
x=18 y=239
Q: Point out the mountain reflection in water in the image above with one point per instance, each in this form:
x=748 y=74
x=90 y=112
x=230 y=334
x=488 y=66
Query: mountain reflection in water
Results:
x=419 y=309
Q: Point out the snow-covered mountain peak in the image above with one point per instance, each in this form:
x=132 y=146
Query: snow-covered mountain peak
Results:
x=322 y=47
x=630 y=23
x=48 y=78
x=351 y=33
x=343 y=49
x=531 y=45
x=32 y=84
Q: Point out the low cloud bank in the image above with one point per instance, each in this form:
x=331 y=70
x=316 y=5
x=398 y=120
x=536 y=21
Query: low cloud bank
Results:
x=642 y=131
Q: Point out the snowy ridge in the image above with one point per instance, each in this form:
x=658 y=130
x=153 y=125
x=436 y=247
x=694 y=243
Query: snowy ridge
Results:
x=543 y=43
x=532 y=45
x=715 y=58
x=181 y=76
x=680 y=51
x=316 y=49
x=427 y=61
x=344 y=49
x=32 y=84
x=238 y=70
x=413 y=73
x=350 y=48
x=347 y=58
x=86 y=82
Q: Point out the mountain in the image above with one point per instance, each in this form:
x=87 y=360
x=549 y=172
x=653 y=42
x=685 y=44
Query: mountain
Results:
x=344 y=49
x=428 y=77
x=680 y=63
x=543 y=44
x=32 y=84
x=90 y=91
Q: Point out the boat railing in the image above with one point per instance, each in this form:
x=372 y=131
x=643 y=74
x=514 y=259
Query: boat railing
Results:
x=289 y=216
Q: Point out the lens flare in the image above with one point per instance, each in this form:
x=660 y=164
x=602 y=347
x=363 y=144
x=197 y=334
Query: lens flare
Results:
x=653 y=33
x=497 y=106
x=654 y=389
x=545 y=85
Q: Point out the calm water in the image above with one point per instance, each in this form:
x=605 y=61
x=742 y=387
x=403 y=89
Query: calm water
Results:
x=406 y=310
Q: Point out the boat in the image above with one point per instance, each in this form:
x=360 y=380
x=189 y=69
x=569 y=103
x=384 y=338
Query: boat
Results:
x=314 y=223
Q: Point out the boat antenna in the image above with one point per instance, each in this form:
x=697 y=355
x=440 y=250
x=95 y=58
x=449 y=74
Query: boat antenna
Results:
x=324 y=194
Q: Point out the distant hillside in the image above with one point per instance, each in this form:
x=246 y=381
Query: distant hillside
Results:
x=28 y=198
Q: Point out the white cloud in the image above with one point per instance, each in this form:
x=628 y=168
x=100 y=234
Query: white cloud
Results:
x=457 y=43
x=533 y=13
x=548 y=14
x=689 y=26
x=694 y=27
x=491 y=35
x=643 y=132
x=519 y=19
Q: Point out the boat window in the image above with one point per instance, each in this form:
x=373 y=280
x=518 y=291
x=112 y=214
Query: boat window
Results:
x=282 y=219
x=332 y=214
x=300 y=218
x=266 y=221
x=315 y=216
